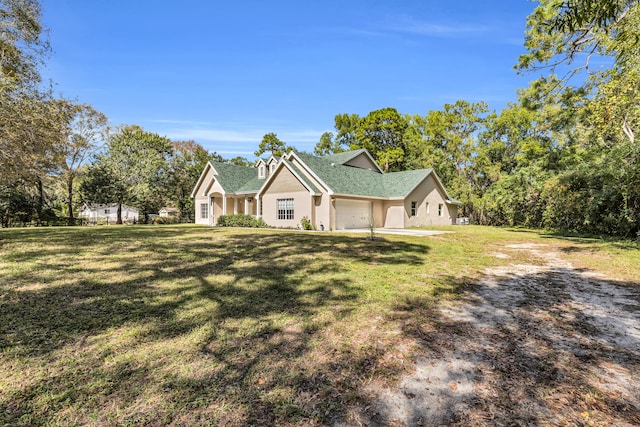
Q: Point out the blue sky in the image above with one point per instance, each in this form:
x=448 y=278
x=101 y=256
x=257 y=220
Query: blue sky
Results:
x=226 y=73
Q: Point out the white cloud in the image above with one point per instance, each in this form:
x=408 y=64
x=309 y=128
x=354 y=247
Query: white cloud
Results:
x=247 y=135
x=232 y=139
x=413 y=26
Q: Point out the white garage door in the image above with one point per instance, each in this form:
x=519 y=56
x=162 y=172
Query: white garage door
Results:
x=352 y=214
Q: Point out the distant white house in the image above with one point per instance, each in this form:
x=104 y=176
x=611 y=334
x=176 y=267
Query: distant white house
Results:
x=108 y=213
x=167 y=212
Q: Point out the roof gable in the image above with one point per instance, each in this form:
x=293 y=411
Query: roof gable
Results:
x=206 y=169
x=300 y=176
x=334 y=173
x=344 y=179
x=357 y=158
x=230 y=177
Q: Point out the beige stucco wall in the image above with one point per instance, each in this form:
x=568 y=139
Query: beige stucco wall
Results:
x=378 y=212
x=429 y=191
x=201 y=196
x=321 y=204
x=286 y=186
x=199 y=200
x=393 y=214
x=322 y=214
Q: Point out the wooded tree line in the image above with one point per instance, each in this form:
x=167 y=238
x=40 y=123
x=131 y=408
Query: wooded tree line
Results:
x=562 y=155
x=56 y=153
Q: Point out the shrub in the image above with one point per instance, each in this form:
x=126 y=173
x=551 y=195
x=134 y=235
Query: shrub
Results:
x=241 y=220
x=305 y=223
x=166 y=220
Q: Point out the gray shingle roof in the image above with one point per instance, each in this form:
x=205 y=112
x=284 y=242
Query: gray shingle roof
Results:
x=345 y=156
x=361 y=182
x=232 y=177
x=339 y=178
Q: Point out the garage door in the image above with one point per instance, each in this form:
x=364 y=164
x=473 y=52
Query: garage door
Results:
x=352 y=214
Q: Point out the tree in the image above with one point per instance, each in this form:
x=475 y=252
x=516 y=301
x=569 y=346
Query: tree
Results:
x=559 y=32
x=383 y=133
x=138 y=161
x=346 y=126
x=272 y=144
x=23 y=44
x=451 y=146
x=328 y=145
x=186 y=164
x=239 y=161
x=32 y=132
x=87 y=128
x=102 y=185
x=30 y=120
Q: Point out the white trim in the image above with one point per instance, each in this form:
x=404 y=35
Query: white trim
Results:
x=359 y=196
x=207 y=191
x=202 y=175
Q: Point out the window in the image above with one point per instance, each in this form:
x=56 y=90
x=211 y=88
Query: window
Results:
x=285 y=208
x=426 y=206
x=273 y=167
x=204 y=211
x=414 y=208
x=440 y=209
x=107 y=211
x=261 y=172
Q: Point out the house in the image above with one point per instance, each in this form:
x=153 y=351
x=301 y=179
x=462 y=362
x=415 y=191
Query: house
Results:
x=167 y=212
x=107 y=213
x=339 y=191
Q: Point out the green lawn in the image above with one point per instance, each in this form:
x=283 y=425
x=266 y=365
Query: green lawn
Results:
x=184 y=325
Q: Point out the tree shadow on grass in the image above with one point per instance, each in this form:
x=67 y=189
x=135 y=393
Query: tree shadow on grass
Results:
x=103 y=309
x=550 y=347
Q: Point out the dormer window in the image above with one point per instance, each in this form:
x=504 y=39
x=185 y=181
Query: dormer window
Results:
x=273 y=167
x=261 y=172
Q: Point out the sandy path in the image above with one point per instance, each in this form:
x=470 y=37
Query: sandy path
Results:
x=530 y=345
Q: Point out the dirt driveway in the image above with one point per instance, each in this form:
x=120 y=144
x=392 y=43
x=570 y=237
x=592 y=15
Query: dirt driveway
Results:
x=536 y=344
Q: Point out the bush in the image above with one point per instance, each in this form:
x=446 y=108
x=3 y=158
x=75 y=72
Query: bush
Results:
x=166 y=220
x=241 y=220
x=305 y=223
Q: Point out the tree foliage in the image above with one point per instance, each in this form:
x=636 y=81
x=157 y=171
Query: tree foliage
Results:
x=185 y=165
x=272 y=144
x=23 y=44
x=327 y=145
x=87 y=129
x=136 y=163
x=384 y=134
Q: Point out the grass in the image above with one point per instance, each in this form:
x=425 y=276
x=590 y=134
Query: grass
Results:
x=187 y=325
